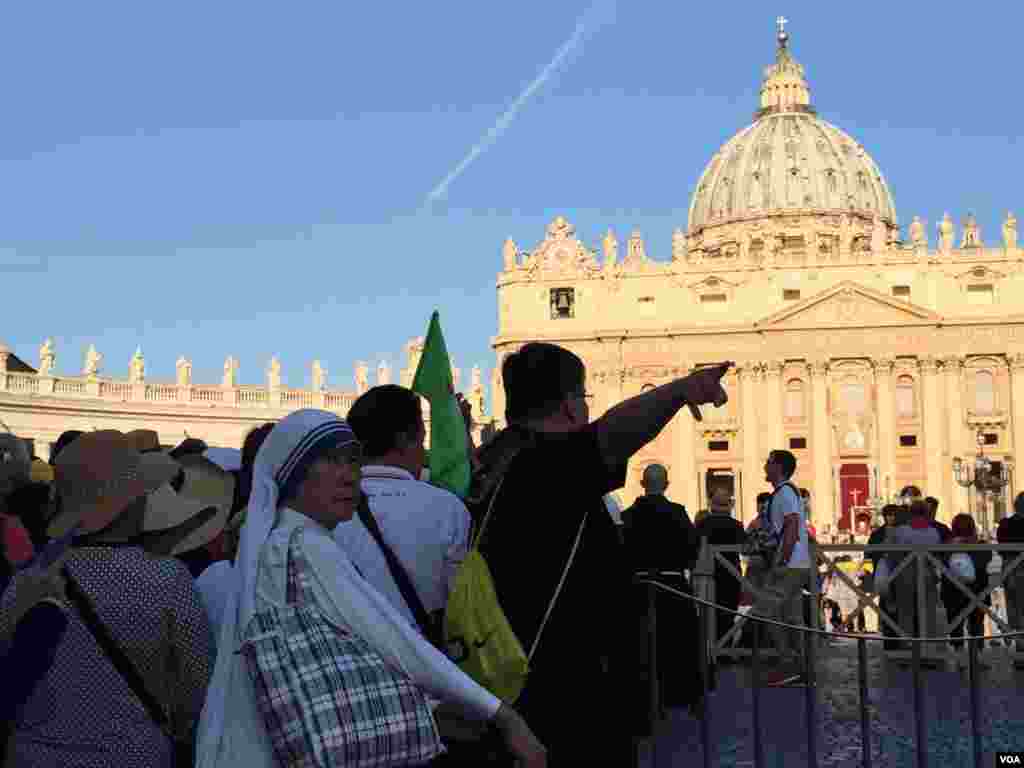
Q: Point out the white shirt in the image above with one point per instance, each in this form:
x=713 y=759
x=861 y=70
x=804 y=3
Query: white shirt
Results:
x=214 y=585
x=426 y=527
x=346 y=598
x=788 y=502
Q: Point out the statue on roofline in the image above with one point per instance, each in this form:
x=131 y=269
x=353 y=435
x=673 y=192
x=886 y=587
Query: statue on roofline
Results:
x=47 y=358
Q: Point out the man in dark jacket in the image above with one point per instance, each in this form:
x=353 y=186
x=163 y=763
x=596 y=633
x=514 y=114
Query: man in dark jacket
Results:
x=1011 y=531
x=721 y=528
x=549 y=525
x=658 y=532
x=660 y=542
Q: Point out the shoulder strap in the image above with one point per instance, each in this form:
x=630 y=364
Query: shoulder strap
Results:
x=558 y=589
x=487 y=515
x=110 y=647
x=398 y=572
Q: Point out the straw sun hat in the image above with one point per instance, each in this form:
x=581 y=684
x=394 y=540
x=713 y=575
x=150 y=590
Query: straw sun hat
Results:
x=99 y=475
x=207 y=493
x=145 y=440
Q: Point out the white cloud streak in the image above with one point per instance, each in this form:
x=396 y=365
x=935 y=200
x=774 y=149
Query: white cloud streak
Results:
x=498 y=129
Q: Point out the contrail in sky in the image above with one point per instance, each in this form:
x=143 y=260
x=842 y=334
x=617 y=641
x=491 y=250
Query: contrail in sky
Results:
x=506 y=119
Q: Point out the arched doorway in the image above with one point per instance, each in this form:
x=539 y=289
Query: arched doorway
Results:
x=854 y=491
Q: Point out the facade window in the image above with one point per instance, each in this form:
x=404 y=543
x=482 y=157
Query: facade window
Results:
x=718 y=445
x=980 y=295
x=901 y=292
x=797 y=443
x=991 y=439
x=791 y=294
x=645 y=300
x=908 y=441
x=795 y=400
x=984 y=392
x=905 y=397
x=713 y=298
x=563 y=303
x=853 y=398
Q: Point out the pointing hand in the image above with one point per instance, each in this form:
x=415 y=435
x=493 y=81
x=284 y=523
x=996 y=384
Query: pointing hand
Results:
x=704 y=386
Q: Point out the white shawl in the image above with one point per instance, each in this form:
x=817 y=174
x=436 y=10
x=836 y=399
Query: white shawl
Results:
x=288 y=449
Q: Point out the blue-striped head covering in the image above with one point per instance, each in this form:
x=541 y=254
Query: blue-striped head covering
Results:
x=282 y=463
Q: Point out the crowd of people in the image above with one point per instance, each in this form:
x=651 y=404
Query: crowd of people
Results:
x=143 y=588
x=137 y=580
x=912 y=521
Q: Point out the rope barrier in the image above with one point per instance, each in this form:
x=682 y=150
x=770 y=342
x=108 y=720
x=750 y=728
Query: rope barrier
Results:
x=822 y=632
x=810 y=698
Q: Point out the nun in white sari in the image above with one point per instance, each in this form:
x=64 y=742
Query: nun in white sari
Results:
x=306 y=475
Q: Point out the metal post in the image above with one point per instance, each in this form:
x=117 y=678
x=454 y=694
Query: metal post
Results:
x=810 y=698
x=865 y=720
x=813 y=589
x=972 y=672
x=704 y=659
x=712 y=615
x=755 y=675
x=652 y=668
x=922 y=738
x=922 y=604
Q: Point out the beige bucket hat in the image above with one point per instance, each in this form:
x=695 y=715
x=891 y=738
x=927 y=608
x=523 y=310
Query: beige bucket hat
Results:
x=208 y=491
x=98 y=476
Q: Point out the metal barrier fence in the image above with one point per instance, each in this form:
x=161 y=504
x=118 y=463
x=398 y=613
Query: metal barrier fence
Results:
x=709 y=609
x=922 y=558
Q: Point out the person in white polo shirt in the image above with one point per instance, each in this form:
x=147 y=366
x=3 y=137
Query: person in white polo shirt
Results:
x=425 y=527
x=781 y=599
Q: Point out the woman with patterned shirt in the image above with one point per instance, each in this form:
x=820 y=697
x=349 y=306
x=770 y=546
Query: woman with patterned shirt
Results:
x=83 y=713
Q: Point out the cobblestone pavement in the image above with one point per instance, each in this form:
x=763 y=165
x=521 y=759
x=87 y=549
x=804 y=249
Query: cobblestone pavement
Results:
x=946 y=700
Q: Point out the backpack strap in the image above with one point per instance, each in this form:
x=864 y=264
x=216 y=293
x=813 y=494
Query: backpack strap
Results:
x=558 y=589
x=491 y=476
x=398 y=572
x=778 y=490
x=487 y=516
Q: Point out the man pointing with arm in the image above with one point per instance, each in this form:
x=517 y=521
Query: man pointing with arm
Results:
x=557 y=465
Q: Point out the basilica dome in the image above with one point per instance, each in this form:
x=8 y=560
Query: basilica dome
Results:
x=789 y=161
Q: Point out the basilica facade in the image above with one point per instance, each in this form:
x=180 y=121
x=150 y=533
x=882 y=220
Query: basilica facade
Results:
x=876 y=357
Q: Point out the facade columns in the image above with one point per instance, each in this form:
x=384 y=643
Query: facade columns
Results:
x=886 y=425
x=750 y=373
x=822 y=498
x=1016 y=361
x=687 y=491
x=770 y=404
x=933 y=428
x=953 y=369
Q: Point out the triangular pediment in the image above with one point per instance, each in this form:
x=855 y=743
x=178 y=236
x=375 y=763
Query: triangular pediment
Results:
x=849 y=304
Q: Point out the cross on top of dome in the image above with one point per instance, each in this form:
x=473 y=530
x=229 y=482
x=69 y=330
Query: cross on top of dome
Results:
x=785 y=89
x=788 y=160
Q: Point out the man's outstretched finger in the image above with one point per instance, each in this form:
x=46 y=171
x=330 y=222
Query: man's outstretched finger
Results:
x=723 y=368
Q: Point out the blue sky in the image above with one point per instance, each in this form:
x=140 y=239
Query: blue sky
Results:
x=249 y=178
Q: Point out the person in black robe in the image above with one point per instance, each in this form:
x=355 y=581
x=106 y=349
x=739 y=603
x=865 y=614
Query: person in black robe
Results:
x=661 y=542
x=721 y=528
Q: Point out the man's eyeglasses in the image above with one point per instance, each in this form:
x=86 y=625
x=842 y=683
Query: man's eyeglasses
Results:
x=349 y=453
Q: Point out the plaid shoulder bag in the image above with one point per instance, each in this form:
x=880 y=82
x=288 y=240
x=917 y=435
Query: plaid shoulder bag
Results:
x=326 y=697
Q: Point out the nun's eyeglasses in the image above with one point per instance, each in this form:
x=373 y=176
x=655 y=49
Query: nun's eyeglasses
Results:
x=350 y=454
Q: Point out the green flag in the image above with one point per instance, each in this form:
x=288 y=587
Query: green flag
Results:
x=448 y=457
